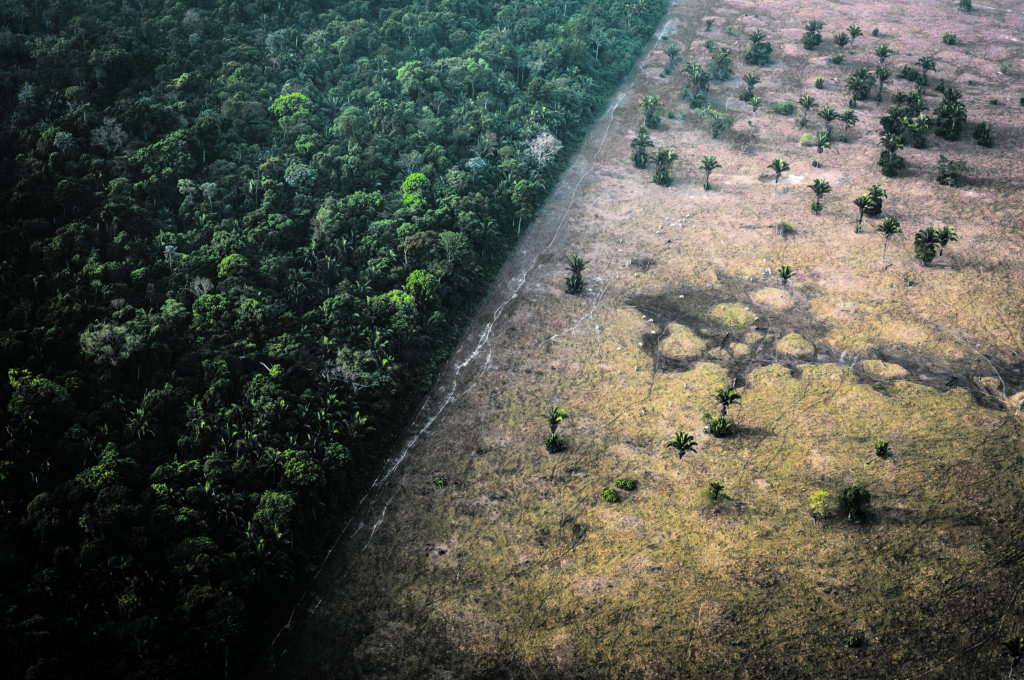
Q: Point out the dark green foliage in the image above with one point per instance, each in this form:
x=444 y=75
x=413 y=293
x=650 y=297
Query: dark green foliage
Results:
x=882 y=448
x=785 y=273
x=852 y=641
x=714 y=494
x=650 y=107
x=859 y=83
x=949 y=38
x=819 y=83
x=983 y=134
x=841 y=39
x=663 y=159
x=950 y=114
x=760 y=50
x=836 y=59
x=683 y=442
x=891 y=164
x=784 y=108
x=554 y=416
x=926 y=245
x=241 y=239
x=950 y=172
x=720 y=67
x=726 y=397
x=812 y=34
x=640 y=144
x=708 y=164
x=913 y=75
x=888 y=227
x=815 y=206
x=778 y=166
x=609 y=495
x=554 y=443
x=440 y=482
x=966 y=5
x=855 y=500
x=625 y=484
x=876 y=194
x=719 y=426
x=575 y=282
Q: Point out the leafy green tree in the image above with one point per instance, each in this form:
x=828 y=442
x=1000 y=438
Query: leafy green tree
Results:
x=883 y=52
x=718 y=121
x=812 y=34
x=859 y=83
x=950 y=172
x=751 y=79
x=417 y=192
x=683 y=442
x=889 y=227
x=855 y=32
x=822 y=140
x=708 y=164
x=575 y=282
x=778 y=166
x=876 y=193
x=700 y=80
x=829 y=116
x=883 y=74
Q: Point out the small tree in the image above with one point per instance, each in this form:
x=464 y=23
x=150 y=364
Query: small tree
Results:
x=683 y=442
x=663 y=161
x=876 y=193
x=759 y=52
x=882 y=73
x=883 y=52
x=855 y=499
x=575 y=282
x=717 y=426
x=778 y=166
x=640 y=144
x=820 y=187
x=829 y=115
x=554 y=443
x=881 y=448
x=950 y=115
x=714 y=494
x=554 y=416
x=823 y=140
x=726 y=397
x=785 y=273
x=700 y=81
x=862 y=202
x=650 y=106
x=806 y=102
x=855 y=33
x=889 y=227
x=751 y=79
x=926 y=242
x=812 y=34
x=708 y=164
x=841 y=39
x=946 y=236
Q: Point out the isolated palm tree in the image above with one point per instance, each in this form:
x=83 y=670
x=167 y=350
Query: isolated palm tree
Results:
x=708 y=163
x=925 y=245
x=785 y=273
x=883 y=74
x=779 y=166
x=855 y=33
x=726 y=397
x=820 y=187
x=554 y=416
x=683 y=443
x=862 y=202
x=883 y=52
x=807 y=102
x=829 y=115
x=890 y=226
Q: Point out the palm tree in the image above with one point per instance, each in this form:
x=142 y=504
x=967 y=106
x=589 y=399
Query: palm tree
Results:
x=890 y=226
x=820 y=187
x=823 y=140
x=751 y=79
x=855 y=33
x=946 y=235
x=708 y=163
x=829 y=115
x=807 y=102
x=883 y=52
x=726 y=397
x=640 y=144
x=554 y=416
x=663 y=160
x=883 y=74
x=575 y=264
x=925 y=242
x=683 y=443
x=876 y=193
x=891 y=164
x=926 y=64
x=779 y=166
x=849 y=118
x=574 y=282
x=881 y=448
x=862 y=202
x=785 y=273
x=855 y=499
x=650 y=106
x=841 y=39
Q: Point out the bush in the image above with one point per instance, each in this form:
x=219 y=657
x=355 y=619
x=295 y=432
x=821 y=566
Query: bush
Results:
x=836 y=59
x=855 y=499
x=784 y=229
x=852 y=641
x=815 y=207
x=440 y=482
x=965 y=6
x=822 y=505
x=625 y=483
x=949 y=38
x=913 y=75
x=950 y=172
x=874 y=32
x=807 y=139
x=719 y=426
x=819 y=82
x=554 y=443
x=609 y=495
x=810 y=40
x=784 y=108
x=983 y=134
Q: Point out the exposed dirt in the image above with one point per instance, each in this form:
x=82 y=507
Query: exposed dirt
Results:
x=518 y=569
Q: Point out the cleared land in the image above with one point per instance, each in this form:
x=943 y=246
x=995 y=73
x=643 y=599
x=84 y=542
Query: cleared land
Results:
x=516 y=567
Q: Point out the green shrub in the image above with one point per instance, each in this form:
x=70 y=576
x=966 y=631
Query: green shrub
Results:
x=983 y=134
x=713 y=493
x=836 y=59
x=874 y=32
x=819 y=82
x=626 y=484
x=609 y=495
x=949 y=38
x=719 y=426
x=950 y=172
x=440 y=482
x=554 y=443
x=852 y=641
x=855 y=499
x=807 y=139
x=966 y=6
x=784 y=108
x=822 y=505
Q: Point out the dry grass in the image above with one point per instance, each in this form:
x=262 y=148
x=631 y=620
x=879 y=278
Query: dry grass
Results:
x=518 y=568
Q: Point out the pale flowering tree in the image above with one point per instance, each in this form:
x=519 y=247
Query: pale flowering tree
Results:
x=544 y=148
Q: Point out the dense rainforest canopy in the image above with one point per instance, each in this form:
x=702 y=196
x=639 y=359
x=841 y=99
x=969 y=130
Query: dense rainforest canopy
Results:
x=240 y=238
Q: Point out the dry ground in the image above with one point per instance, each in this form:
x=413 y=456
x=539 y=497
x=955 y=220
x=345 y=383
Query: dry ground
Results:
x=517 y=568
